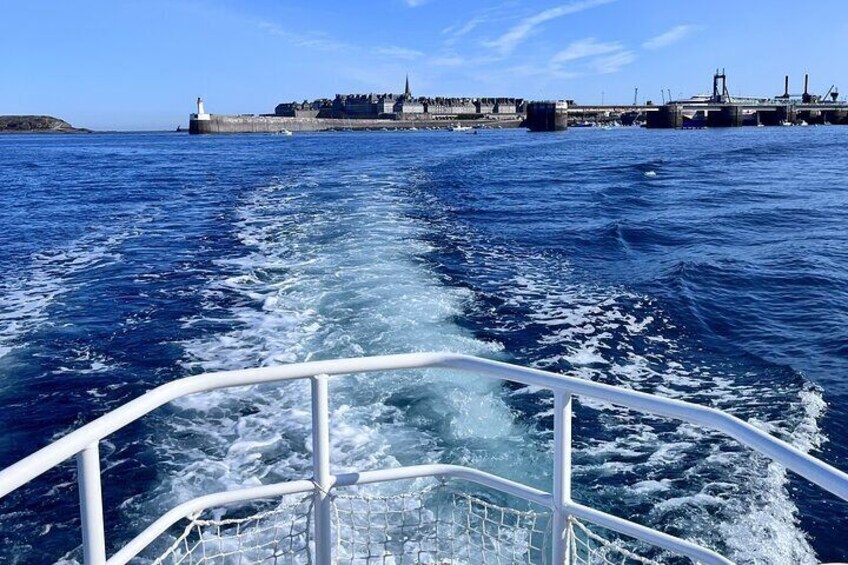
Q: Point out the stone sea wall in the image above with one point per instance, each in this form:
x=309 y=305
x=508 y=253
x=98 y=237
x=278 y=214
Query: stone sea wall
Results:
x=274 y=124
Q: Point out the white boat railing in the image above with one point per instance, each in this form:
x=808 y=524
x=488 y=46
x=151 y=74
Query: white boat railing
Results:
x=84 y=445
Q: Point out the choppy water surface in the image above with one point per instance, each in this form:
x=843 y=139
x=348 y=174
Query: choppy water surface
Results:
x=129 y=260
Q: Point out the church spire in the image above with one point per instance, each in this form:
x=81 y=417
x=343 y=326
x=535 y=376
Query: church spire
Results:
x=406 y=91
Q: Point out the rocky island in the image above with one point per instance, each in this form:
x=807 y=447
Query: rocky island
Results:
x=37 y=124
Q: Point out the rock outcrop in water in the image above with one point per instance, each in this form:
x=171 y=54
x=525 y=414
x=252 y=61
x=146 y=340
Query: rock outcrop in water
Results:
x=37 y=124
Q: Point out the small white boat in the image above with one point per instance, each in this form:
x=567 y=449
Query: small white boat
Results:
x=786 y=123
x=803 y=123
x=461 y=128
x=284 y=132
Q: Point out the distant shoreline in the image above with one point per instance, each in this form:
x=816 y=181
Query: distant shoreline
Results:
x=37 y=124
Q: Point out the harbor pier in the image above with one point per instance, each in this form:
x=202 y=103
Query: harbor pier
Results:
x=722 y=110
x=664 y=117
x=406 y=112
x=547 y=116
x=683 y=114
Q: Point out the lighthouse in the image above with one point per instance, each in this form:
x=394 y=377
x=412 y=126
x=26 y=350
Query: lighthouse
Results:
x=201 y=111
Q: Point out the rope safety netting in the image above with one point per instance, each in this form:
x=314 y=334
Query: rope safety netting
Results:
x=433 y=525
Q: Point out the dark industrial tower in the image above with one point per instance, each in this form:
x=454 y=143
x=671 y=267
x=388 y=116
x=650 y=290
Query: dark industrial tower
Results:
x=720 y=95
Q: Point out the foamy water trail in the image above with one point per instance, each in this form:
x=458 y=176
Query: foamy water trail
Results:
x=680 y=478
x=52 y=274
x=428 y=242
x=331 y=268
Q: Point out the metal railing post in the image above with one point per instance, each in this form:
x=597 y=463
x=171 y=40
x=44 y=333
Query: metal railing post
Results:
x=562 y=475
x=321 y=469
x=91 y=505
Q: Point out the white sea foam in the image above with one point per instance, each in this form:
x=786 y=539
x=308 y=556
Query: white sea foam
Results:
x=332 y=267
x=697 y=481
x=776 y=523
x=52 y=274
x=347 y=281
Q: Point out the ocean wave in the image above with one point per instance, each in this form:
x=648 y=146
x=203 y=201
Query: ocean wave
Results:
x=25 y=300
x=682 y=479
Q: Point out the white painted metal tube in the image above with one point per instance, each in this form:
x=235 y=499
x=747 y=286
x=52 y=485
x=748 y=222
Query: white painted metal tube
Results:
x=48 y=457
x=449 y=472
x=829 y=478
x=562 y=475
x=681 y=547
x=186 y=509
x=818 y=472
x=91 y=505
x=456 y=472
x=321 y=470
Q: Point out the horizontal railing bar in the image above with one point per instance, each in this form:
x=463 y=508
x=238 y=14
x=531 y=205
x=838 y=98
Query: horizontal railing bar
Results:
x=62 y=449
x=456 y=472
x=829 y=478
x=625 y=527
x=186 y=509
x=818 y=472
x=195 y=505
x=460 y=472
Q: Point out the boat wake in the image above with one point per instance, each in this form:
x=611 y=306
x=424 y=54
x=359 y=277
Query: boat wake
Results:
x=372 y=256
x=676 y=477
x=346 y=267
x=331 y=267
x=25 y=300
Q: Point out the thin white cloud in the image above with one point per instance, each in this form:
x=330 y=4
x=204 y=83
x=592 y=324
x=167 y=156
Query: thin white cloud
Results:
x=415 y=3
x=319 y=41
x=540 y=72
x=400 y=52
x=590 y=56
x=670 y=37
x=271 y=28
x=448 y=61
x=507 y=42
x=460 y=30
x=456 y=32
x=583 y=48
x=612 y=63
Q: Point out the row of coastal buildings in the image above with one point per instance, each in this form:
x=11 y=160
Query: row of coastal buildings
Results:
x=402 y=107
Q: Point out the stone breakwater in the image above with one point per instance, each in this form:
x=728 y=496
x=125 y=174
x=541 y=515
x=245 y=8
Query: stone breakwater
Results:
x=275 y=124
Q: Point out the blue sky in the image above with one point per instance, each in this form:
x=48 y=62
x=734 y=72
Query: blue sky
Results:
x=136 y=64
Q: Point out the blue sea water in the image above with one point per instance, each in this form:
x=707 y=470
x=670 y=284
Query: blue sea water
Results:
x=710 y=266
